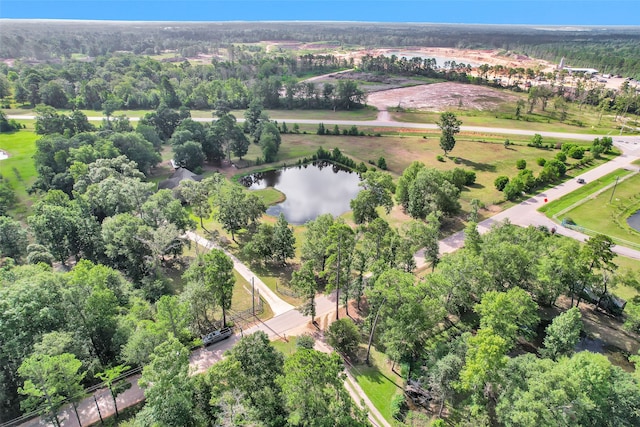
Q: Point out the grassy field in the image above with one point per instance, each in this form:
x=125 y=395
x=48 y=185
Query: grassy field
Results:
x=611 y=217
x=553 y=208
x=378 y=382
x=585 y=119
x=19 y=168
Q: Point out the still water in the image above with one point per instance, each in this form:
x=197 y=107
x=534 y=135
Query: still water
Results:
x=634 y=221
x=311 y=190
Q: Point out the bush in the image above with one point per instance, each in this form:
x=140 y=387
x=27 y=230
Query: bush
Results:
x=561 y=156
x=576 y=152
x=399 y=407
x=440 y=158
x=305 y=341
x=521 y=164
x=501 y=182
x=513 y=189
x=536 y=141
x=343 y=335
x=471 y=178
x=382 y=163
x=540 y=161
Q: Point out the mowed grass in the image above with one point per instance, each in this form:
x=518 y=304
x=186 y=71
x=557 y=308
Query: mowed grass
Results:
x=626 y=265
x=484 y=154
x=19 y=169
x=610 y=217
x=586 y=190
x=378 y=382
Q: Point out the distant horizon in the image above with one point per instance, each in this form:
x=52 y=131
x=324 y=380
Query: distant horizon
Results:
x=240 y=21
x=579 y=13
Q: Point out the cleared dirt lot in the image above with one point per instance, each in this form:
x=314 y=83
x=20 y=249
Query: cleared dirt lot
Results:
x=440 y=96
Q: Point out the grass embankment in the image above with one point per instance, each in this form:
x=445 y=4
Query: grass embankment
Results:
x=556 y=206
x=378 y=382
x=613 y=206
x=19 y=169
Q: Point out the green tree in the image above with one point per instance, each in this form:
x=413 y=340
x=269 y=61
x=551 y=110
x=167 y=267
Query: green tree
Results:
x=115 y=381
x=343 y=335
x=13 y=238
x=283 y=240
x=339 y=255
x=377 y=191
x=563 y=334
x=508 y=314
x=215 y=269
x=189 y=155
x=314 y=393
x=167 y=387
x=260 y=366
x=236 y=210
x=305 y=283
x=450 y=126
x=486 y=356
x=172 y=316
x=49 y=381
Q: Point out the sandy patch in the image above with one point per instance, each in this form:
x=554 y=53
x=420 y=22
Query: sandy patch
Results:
x=439 y=97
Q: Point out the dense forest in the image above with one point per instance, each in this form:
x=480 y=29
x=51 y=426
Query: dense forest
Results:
x=611 y=49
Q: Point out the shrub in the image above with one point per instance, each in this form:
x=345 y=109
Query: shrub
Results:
x=561 y=156
x=501 y=182
x=521 y=164
x=540 y=161
x=536 y=141
x=576 y=152
x=361 y=168
x=513 y=189
x=399 y=407
x=305 y=341
x=471 y=178
x=343 y=335
x=457 y=177
x=382 y=163
x=440 y=158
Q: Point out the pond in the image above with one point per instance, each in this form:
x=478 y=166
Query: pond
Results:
x=634 y=221
x=311 y=190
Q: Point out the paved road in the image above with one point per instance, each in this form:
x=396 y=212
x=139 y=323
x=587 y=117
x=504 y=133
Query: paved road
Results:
x=384 y=120
x=526 y=213
x=278 y=306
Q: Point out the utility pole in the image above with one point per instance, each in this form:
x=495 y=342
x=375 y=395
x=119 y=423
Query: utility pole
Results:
x=253 y=298
x=338 y=278
x=614 y=189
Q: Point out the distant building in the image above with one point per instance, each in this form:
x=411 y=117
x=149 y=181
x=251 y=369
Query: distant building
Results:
x=562 y=66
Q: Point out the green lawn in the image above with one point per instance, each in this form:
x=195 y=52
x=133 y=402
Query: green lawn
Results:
x=610 y=217
x=19 y=169
x=379 y=383
x=584 y=191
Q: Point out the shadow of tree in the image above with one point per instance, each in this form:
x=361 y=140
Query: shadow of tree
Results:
x=484 y=167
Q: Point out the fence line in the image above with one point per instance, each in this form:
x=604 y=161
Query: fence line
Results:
x=590 y=232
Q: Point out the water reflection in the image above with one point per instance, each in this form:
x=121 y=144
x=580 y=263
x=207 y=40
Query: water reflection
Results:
x=310 y=190
x=634 y=221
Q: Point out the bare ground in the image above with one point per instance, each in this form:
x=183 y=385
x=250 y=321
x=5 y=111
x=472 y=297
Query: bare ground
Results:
x=440 y=96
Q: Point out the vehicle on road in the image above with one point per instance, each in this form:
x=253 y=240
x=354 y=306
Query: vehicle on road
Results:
x=581 y=181
x=217 y=336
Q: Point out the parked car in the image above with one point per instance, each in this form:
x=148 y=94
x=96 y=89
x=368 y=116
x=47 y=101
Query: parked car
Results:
x=217 y=336
x=581 y=181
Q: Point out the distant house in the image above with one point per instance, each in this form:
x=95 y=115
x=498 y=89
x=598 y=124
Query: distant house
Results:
x=178 y=176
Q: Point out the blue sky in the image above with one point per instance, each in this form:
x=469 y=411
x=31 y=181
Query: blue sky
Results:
x=550 y=12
